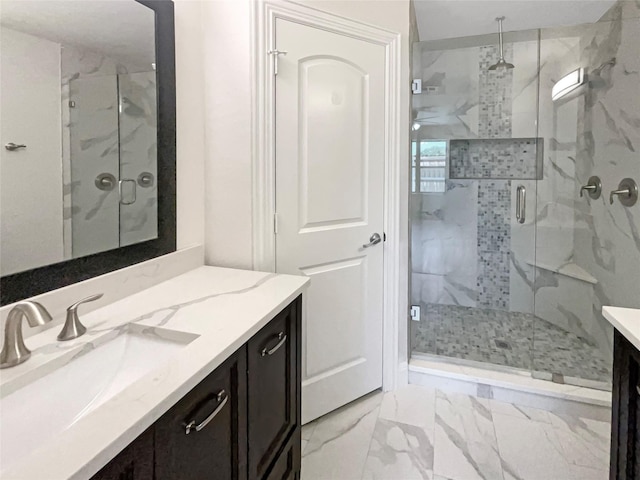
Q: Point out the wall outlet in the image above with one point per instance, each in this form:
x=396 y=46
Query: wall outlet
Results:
x=415 y=313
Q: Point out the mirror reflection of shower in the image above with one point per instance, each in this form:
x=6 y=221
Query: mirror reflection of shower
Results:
x=501 y=63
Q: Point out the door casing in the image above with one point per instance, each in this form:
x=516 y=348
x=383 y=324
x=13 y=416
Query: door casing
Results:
x=395 y=298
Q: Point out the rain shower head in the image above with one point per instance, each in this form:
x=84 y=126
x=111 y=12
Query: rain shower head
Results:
x=501 y=63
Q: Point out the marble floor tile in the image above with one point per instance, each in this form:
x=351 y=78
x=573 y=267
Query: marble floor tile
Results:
x=530 y=450
x=307 y=431
x=465 y=442
x=339 y=444
x=413 y=405
x=519 y=411
x=584 y=442
x=422 y=433
x=399 y=451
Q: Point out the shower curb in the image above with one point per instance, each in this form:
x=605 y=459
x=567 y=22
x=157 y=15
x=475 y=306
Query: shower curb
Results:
x=516 y=387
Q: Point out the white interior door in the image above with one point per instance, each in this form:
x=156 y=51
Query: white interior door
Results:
x=330 y=114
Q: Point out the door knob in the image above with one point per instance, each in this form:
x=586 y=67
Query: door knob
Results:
x=373 y=240
x=627 y=192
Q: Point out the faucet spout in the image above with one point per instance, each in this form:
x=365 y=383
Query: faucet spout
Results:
x=14 y=351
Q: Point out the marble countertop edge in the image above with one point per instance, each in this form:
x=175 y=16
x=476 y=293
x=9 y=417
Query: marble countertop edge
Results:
x=626 y=321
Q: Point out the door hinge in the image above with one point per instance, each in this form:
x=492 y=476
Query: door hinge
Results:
x=275 y=54
x=415 y=313
x=416 y=86
x=275 y=223
x=384 y=237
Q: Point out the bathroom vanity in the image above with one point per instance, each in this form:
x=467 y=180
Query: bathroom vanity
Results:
x=196 y=377
x=625 y=424
x=243 y=415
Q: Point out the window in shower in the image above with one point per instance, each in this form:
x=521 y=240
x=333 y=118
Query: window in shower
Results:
x=428 y=166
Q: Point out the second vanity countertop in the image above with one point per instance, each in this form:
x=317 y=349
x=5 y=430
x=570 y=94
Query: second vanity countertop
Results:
x=220 y=308
x=626 y=321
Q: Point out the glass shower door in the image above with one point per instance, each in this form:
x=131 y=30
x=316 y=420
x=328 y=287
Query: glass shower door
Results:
x=475 y=159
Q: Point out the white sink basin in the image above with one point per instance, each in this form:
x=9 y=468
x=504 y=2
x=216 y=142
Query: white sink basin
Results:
x=37 y=412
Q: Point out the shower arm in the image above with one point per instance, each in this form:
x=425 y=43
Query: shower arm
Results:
x=500 y=19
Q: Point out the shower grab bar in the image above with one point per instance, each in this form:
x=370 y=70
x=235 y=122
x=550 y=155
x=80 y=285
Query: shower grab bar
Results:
x=521 y=203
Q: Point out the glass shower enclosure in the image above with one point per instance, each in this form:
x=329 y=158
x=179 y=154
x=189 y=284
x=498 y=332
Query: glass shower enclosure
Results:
x=511 y=259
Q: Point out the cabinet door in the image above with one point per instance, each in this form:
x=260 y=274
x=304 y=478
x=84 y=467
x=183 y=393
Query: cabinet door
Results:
x=625 y=435
x=287 y=465
x=134 y=463
x=204 y=435
x=273 y=384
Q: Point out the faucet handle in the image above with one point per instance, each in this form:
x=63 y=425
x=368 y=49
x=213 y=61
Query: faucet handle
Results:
x=73 y=328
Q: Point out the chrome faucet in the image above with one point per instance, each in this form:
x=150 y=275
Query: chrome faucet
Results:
x=14 y=351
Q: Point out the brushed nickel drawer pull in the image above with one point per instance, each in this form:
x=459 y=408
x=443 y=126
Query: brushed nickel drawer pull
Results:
x=223 y=398
x=282 y=337
x=638 y=389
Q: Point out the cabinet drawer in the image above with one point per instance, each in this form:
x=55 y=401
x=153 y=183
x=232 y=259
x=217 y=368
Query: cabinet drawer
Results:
x=272 y=360
x=213 y=414
x=134 y=463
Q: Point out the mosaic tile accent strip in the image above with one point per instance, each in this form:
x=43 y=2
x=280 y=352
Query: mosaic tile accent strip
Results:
x=494 y=244
x=495 y=96
x=531 y=343
x=516 y=158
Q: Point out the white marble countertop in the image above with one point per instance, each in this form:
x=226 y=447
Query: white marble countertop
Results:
x=626 y=321
x=222 y=307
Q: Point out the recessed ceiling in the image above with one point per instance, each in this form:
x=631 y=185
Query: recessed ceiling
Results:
x=438 y=19
x=123 y=30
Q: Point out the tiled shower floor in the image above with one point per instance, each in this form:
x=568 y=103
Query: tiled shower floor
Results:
x=512 y=339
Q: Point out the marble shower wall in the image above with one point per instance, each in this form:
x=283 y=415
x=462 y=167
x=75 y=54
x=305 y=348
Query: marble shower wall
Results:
x=111 y=128
x=466 y=243
x=588 y=250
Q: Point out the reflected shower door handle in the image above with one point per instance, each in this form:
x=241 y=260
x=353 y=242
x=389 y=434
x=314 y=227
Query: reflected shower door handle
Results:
x=521 y=203
x=121 y=191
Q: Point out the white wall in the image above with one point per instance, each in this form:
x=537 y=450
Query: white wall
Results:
x=31 y=178
x=227 y=63
x=190 y=123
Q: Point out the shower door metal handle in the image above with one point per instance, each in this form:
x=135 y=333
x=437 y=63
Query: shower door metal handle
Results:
x=134 y=184
x=521 y=203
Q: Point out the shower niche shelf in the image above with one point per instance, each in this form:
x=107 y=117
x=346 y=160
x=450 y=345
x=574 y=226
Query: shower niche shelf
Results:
x=496 y=158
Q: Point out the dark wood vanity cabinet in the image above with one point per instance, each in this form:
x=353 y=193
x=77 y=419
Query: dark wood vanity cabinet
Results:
x=133 y=463
x=202 y=435
x=625 y=423
x=243 y=419
x=274 y=381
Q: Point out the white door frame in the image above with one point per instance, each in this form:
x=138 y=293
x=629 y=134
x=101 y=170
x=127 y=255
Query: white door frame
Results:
x=264 y=15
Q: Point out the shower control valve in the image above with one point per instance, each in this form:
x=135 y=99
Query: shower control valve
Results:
x=593 y=188
x=627 y=192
